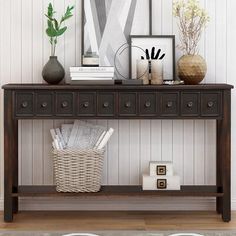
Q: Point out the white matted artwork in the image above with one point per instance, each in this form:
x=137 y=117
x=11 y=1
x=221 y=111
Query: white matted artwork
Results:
x=108 y=24
x=153 y=48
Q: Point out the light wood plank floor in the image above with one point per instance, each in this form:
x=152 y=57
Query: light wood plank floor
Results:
x=94 y=221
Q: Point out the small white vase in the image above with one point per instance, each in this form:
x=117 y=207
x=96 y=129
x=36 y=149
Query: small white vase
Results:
x=143 y=71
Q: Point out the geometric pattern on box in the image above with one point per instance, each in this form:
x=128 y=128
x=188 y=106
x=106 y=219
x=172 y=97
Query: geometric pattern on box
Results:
x=108 y=25
x=161 y=168
x=161 y=183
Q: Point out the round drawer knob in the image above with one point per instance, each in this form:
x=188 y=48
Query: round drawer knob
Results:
x=24 y=104
x=148 y=104
x=128 y=104
x=44 y=105
x=169 y=104
x=86 y=104
x=190 y=104
x=210 y=104
x=106 y=104
x=64 y=104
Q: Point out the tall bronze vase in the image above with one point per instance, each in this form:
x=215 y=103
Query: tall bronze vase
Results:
x=192 y=69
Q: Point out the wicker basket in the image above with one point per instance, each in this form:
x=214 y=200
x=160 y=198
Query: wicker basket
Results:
x=78 y=170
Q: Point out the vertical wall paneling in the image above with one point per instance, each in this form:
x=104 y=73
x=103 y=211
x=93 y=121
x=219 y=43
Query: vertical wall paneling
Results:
x=16 y=49
x=178 y=125
x=210 y=152
x=47 y=158
x=167 y=125
x=78 y=31
x=37 y=47
x=145 y=140
x=199 y=126
x=103 y=123
x=113 y=154
x=156 y=126
x=210 y=55
x=199 y=152
x=124 y=151
x=210 y=48
x=178 y=149
x=221 y=40
x=202 y=40
x=156 y=17
x=27 y=68
x=155 y=140
x=5 y=58
x=47 y=125
x=70 y=39
x=188 y=152
x=134 y=153
x=60 y=6
x=231 y=71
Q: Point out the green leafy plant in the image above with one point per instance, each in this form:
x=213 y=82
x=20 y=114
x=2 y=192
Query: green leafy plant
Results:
x=55 y=27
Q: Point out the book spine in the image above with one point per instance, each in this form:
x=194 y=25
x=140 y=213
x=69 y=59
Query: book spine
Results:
x=92 y=75
x=90 y=78
x=92 y=69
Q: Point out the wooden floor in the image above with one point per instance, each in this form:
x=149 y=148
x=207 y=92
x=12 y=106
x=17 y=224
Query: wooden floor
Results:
x=94 y=221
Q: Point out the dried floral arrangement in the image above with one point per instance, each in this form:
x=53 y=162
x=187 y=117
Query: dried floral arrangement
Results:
x=192 y=19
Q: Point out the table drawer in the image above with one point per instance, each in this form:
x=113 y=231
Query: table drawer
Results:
x=190 y=104
x=44 y=104
x=106 y=104
x=64 y=104
x=169 y=104
x=87 y=104
x=128 y=104
x=211 y=103
x=24 y=104
x=147 y=104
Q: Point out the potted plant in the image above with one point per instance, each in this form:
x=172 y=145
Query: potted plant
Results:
x=192 y=19
x=53 y=72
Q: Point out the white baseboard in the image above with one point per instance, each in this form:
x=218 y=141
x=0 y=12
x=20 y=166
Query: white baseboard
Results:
x=168 y=204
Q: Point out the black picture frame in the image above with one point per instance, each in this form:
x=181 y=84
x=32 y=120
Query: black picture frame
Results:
x=83 y=19
x=172 y=37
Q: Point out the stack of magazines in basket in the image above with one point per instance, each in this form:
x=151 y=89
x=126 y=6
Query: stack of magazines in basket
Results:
x=80 y=135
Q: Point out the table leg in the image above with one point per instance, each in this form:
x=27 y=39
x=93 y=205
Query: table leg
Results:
x=15 y=166
x=219 y=167
x=8 y=156
x=224 y=133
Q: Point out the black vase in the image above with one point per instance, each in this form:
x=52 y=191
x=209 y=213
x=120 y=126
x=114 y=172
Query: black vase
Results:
x=53 y=72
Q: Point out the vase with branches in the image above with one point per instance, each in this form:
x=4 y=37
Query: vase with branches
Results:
x=191 y=20
x=53 y=71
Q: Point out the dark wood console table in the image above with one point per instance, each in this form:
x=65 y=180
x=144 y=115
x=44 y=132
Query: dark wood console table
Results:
x=26 y=101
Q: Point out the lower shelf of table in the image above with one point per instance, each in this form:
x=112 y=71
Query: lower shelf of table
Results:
x=188 y=191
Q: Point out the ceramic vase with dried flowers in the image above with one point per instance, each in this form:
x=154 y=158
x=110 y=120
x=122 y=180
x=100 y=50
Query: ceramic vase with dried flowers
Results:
x=192 y=19
x=53 y=72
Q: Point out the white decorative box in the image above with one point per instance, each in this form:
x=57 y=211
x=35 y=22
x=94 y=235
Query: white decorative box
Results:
x=161 y=182
x=161 y=168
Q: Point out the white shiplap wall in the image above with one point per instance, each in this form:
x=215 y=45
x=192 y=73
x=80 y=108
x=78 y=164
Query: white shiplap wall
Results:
x=24 y=49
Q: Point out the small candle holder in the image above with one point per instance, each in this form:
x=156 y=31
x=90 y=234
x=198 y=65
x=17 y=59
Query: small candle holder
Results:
x=143 y=71
x=156 y=72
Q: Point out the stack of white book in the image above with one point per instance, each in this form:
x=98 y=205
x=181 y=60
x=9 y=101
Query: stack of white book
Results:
x=91 y=75
x=161 y=177
x=80 y=135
